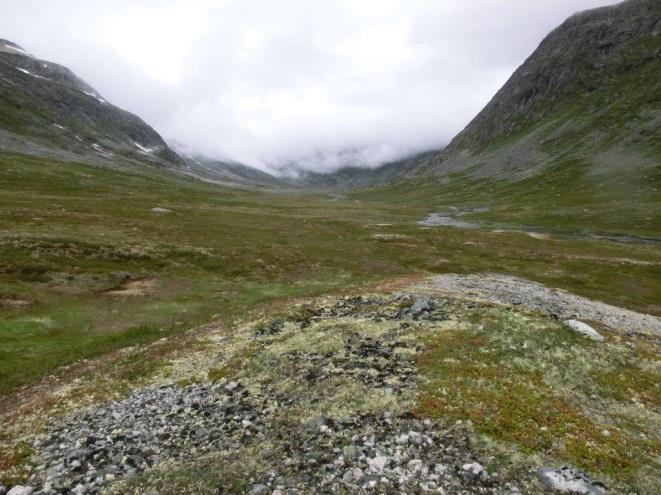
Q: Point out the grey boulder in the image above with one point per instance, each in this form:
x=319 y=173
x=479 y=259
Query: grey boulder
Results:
x=569 y=480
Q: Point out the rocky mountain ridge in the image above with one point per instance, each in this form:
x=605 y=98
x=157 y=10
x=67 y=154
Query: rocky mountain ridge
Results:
x=45 y=109
x=588 y=53
x=591 y=87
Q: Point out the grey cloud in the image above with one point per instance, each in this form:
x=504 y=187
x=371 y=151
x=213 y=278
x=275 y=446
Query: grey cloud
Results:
x=320 y=84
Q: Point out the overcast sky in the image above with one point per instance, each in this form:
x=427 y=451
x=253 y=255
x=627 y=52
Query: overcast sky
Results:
x=321 y=83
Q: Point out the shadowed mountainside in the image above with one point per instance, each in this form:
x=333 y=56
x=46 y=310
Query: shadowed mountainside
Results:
x=48 y=111
x=45 y=109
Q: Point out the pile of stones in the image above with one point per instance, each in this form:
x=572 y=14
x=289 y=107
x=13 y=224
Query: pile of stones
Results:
x=378 y=452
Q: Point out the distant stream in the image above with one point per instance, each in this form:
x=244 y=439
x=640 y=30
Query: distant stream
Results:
x=453 y=219
x=443 y=220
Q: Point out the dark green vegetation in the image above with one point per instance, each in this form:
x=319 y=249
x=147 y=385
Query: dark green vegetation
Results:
x=86 y=266
x=569 y=198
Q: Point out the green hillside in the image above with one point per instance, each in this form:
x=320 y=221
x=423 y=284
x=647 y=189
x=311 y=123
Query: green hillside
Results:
x=571 y=143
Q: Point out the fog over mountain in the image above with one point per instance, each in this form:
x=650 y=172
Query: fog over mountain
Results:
x=317 y=85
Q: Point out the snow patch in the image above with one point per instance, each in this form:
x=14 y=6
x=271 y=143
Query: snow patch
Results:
x=143 y=149
x=25 y=71
x=16 y=49
x=193 y=159
x=101 y=151
x=60 y=126
x=95 y=96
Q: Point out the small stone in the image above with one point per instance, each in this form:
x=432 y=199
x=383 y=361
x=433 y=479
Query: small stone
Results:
x=415 y=438
x=473 y=467
x=428 y=486
x=414 y=465
x=160 y=211
x=258 y=489
x=377 y=464
x=318 y=422
x=358 y=474
x=351 y=452
x=421 y=305
x=348 y=476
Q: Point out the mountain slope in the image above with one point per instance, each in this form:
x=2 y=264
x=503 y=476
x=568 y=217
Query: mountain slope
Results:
x=571 y=143
x=228 y=173
x=354 y=177
x=588 y=97
x=45 y=109
x=593 y=85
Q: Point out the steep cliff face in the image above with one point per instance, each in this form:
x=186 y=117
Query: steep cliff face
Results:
x=593 y=84
x=46 y=108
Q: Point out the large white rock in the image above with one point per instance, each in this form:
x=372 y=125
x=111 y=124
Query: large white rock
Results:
x=21 y=490
x=584 y=329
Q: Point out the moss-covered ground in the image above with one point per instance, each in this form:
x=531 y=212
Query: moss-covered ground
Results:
x=73 y=237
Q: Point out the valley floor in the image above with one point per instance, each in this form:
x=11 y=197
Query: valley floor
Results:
x=161 y=335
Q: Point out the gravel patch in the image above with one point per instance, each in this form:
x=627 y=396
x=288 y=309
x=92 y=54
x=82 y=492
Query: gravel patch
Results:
x=558 y=303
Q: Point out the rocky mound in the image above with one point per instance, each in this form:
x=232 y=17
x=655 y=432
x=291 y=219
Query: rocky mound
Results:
x=366 y=394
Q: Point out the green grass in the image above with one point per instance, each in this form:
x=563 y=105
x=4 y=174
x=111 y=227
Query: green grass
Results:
x=539 y=387
x=569 y=197
x=69 y=232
